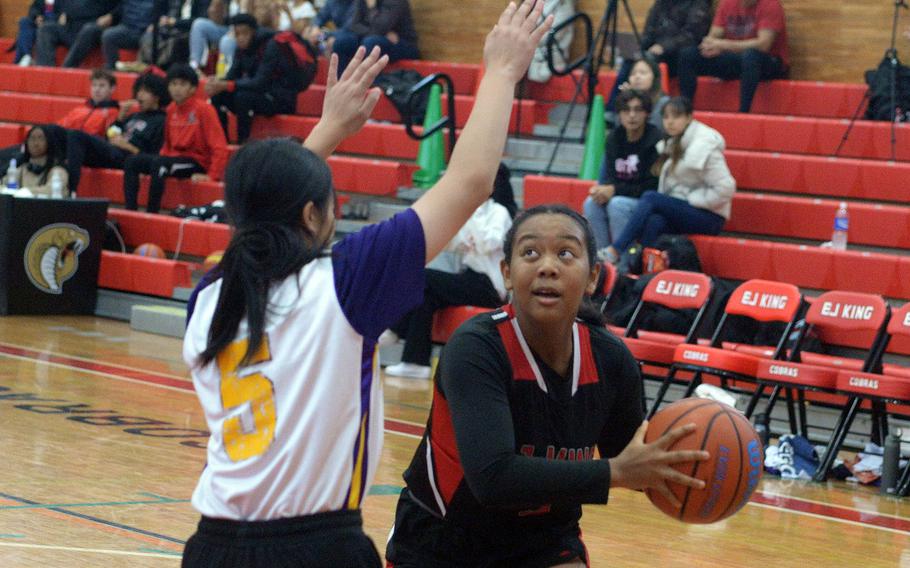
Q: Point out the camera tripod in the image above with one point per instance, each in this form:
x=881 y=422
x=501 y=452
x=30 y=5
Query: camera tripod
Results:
x=590 y=62
x=893 y=62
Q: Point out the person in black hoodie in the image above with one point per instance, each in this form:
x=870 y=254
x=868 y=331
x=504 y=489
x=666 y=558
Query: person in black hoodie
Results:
x=79 y=28
x=265 y=77
x=626 y=172
x=384 y=23
x=142 y=131
x=672 y=25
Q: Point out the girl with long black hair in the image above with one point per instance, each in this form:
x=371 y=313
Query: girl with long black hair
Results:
x=282 y=335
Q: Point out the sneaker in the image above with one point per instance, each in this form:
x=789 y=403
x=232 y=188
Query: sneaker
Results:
x=25 y=61
x=387 y=338
x=409 y=370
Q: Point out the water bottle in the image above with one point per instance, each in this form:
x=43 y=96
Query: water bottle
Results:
x=891 y=463
x=49 y=9
x=841 y=226
x=12 y=176
x=56 y=186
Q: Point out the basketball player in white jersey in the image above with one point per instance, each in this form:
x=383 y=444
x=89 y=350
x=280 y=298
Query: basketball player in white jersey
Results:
x=281 y=337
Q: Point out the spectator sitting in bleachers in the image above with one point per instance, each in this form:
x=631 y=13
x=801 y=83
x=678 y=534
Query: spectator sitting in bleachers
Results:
x=213 y=30
x=335 y=12
x=626 y=172
x=39 y=13
x=137 y=16
x=266 y=76
x=645 y=77
x=173 y=29
x=695 y=189
x=384 y=23
x=139 y=132
x=94 y=117
x=671 y=26
x=79 y=28
x=194 y=145
x=294 y=15
x=42 y=160
x=477 y=281
x=747 y=41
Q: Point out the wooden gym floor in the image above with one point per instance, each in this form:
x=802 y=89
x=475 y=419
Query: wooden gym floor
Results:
x=101 y=443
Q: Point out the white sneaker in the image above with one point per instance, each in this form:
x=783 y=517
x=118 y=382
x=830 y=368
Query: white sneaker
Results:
x=387 y=338
x=408 y=370
x=25 y=61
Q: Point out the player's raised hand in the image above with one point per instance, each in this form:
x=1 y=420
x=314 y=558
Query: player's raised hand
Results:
x=510 y=45
x=349 y=100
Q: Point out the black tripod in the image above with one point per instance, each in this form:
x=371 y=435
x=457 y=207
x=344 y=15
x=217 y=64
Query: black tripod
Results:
x=893 y=62
x=590 y=62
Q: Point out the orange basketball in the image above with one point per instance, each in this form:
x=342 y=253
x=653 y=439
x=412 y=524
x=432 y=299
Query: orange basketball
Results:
x=732 y=472
x=150 y=250
x=212 y=260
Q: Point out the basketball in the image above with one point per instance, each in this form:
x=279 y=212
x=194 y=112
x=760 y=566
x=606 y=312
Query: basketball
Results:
x=212 y=260
x=732 y=472
x=150 y=250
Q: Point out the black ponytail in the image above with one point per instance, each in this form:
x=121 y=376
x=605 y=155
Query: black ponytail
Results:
x=267 y=185
x=587 y=311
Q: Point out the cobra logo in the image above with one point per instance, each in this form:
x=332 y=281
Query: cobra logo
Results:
x=52 y=255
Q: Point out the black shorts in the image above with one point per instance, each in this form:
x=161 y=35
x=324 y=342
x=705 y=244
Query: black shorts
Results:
x=329 y=540
x=423 y=540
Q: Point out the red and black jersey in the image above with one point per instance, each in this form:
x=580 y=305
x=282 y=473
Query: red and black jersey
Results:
x=510 y=443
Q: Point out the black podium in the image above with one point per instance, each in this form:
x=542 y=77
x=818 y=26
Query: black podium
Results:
x=50 y=253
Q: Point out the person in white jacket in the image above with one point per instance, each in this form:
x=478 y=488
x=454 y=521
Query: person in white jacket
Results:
x=695 y=188
x=476 y=280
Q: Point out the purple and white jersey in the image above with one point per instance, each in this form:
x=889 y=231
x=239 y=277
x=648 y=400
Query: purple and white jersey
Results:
x=299 y=430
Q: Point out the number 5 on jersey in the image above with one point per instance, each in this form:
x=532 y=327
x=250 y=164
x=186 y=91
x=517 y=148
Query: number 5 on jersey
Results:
x=243 y=437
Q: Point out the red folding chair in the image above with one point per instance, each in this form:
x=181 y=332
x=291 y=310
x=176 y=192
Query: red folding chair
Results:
x=880 y=385
x=760 y=300
x=675 y=290
x=841 y=320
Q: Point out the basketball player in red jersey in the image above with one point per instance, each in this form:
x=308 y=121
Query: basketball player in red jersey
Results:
x=523 y=398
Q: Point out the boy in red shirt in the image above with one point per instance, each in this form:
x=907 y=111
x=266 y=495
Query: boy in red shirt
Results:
x=99 y=111
x=194 y=143
x=747 y=41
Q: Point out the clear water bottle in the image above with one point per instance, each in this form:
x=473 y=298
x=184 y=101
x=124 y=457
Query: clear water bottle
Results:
x=891 y=462
x=12 y=176
x=56 y=186
x=841 y=227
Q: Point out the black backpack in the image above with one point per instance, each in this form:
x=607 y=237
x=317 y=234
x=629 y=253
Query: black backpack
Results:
x=879 y=81
x=680 y=251
x=397 y=85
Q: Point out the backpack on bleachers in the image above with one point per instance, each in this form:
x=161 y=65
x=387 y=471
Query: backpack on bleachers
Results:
x=397 y=85
x=173 y=47
x=879 y=81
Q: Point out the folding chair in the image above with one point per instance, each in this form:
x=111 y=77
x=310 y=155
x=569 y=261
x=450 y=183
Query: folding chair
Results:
x=880 y=385
x=841 y=319
x=760 y=300
x=675 y=290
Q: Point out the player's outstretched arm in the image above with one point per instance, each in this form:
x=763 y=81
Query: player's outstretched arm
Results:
x=468 y=180
x=650 y=466
x=349 y=101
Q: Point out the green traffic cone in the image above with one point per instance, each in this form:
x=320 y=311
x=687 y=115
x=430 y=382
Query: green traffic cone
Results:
x=431 y=158
x=595 y=140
